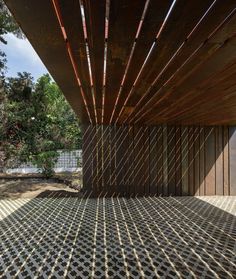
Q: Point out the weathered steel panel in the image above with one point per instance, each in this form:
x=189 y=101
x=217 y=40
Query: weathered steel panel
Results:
x=160 y=160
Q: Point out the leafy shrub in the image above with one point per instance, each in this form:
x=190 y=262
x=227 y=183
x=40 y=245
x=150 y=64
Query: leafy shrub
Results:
x=46 y=161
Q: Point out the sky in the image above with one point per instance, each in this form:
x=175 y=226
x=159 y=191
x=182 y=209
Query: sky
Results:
x=22 y=57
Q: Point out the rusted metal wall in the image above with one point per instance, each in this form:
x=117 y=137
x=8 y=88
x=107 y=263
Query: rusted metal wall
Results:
x=160 y=160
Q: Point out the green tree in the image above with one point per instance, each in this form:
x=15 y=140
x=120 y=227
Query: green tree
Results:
x=66 y=127
x=36 y=122
x=35 y=119
x=7 y=25
x=16 y=108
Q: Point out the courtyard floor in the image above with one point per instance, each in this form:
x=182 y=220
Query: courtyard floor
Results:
x=63 y=236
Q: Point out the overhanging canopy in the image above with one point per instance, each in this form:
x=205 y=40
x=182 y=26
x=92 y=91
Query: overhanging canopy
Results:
x=138 y=62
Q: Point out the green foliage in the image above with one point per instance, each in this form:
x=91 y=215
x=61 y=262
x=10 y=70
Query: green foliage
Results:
x=13 y=126
x=7 y=25
x=46 y=161
x=36 y=121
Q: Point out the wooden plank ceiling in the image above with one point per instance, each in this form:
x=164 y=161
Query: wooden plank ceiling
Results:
x=140 y=61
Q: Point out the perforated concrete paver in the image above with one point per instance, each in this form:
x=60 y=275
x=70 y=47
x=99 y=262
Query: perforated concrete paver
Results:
x=154 y=237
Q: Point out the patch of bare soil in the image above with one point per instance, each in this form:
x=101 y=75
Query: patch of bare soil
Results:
x=30 y=188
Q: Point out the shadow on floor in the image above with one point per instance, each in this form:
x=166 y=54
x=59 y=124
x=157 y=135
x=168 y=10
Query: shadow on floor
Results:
x=63 y=236
x=32 y=188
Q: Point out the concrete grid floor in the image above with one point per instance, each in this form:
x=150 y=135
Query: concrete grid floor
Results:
x=69 y=237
